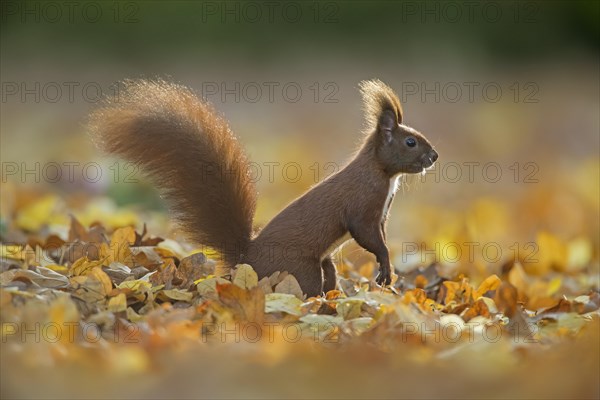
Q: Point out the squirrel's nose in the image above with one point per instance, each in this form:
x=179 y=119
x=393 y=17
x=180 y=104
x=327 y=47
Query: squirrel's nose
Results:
x=433 y=155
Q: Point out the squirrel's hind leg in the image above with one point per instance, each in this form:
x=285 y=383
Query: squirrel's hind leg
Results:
x=329 y=274
x=309 y=274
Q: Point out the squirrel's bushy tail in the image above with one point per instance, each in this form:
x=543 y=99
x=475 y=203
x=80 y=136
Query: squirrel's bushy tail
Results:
x=190 y=153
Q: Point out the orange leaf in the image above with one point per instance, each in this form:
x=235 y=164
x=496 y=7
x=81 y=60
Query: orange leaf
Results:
x=247 y=304
x=490 y=283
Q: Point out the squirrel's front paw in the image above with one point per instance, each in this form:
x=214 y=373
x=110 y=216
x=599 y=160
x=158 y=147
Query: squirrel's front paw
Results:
x=385 y=276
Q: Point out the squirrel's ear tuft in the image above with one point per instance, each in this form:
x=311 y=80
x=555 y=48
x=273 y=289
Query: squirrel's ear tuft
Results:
x=380 y=103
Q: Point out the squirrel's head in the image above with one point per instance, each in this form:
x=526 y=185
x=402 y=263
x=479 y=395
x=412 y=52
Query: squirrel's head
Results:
x=399 y=148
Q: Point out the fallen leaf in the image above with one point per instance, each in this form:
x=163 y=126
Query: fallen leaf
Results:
x=194 y=267
x=489 y=284
x=282 y=302
x=84 y=266
x=177 y=294
x=208 y=287
x=245 y=277
x=290 y=285
x=117 y=303
x=43 y=277
x=247 y=304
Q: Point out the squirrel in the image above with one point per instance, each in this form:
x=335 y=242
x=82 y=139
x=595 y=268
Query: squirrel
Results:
x=190 y=153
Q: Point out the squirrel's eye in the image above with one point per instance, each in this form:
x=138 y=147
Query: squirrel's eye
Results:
x=410 y=141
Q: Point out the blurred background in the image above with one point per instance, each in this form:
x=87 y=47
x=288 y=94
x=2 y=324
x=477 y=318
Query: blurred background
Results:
x=507 y=91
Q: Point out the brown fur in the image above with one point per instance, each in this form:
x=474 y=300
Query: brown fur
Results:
x=377 y=97
x=191 y=155
x=173 y=135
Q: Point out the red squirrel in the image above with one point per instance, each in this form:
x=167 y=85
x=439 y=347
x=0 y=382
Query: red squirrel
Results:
x=190 y=153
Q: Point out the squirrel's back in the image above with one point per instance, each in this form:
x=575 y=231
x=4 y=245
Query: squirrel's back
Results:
x=189 y=152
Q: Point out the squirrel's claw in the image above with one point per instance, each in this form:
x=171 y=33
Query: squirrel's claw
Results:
x=384 y=277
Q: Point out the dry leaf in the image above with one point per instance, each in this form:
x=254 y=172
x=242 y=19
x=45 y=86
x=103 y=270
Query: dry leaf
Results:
x=117 y=303
x=44 y=277
x=290 y=285
x=281 y=302
x=194 y=267
x=247 y=305
x=245 y=277
x=177 y=294
x=489 y=284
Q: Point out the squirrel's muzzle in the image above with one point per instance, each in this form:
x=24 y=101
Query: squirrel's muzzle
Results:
x=429 y=158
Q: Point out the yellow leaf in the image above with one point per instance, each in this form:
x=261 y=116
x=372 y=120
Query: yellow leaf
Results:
x=101 y=276
x=12 y=252
x=552 y=253
x=245 y=277
x=135 y=285
x=173 y=247
x=123 y=235
x=117 y=303
x=456 y=291
x=57 y=268
x=197 y=281
x=33 y=217
x=449 y=288
x=177 y=294
x=281 y=302
x=554 y=285
x=101 y=210
x=84 y=266
x=349 y=308
x=490 y=283
x=518 y=278
x=209 y=252
x=121 y=218
x=119 y=249
x=579 y=254
x=540 y=293
x=132 y=315
x=164 y=253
